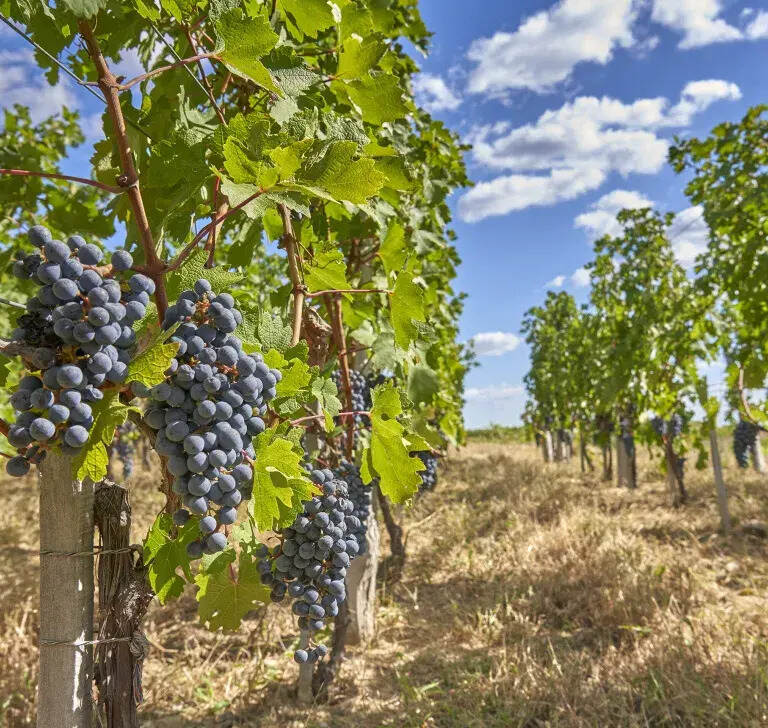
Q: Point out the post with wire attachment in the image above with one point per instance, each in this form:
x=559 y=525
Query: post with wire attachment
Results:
x=66 y=596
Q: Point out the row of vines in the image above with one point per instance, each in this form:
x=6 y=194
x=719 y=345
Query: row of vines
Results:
x=630 y=363
x=253 y=279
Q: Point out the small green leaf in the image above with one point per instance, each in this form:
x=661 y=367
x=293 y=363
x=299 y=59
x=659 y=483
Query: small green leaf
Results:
x=192 y=269
x=325 y=392
x=243 y=169
x=406 y=306
x=379 y=98
x=280 y=484
x=328 y=271
x=392 y=250
x=244 y=41
x=310 y=16
x=423 y=384
x=153 y=357
x=389 y=453
x=84 y=8
x=92 y=460
x=358 y=56
x=165 y=555
x=224 y=599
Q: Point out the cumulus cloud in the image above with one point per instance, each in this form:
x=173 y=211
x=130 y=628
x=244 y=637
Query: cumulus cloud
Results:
x=699 y=21
x=556 y=282
x=580 y=278
x=21 y=83
x=601 y=220
x=546 y=46
x=572 y=150
x=494 y=343
x=758 y=27
x=689 y=235
x=492 y=394
x=434 y=94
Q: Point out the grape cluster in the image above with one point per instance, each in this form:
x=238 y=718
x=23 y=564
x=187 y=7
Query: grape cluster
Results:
x=361 y=496
x=361 y=394
x=207 y=411
x=310 y=563
x=79 y=324
x=428 y=476
x=744 y=436
x=673 y=427
x=125 y=446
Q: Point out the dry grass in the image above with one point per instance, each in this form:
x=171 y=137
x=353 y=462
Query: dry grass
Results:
x=534 y=596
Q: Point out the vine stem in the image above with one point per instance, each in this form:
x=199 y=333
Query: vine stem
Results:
x=337 y=326
x=157 y=71
x=343 y=415
x=68 y=177
x=206 y=82
x=109 y=87
x=293 y=266
x=314 y=294
x=13 y=304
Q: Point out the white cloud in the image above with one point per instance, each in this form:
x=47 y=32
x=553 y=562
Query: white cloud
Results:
x=494 y=343
x=492 y=394
x=21 y=83
x=556 y=282
x=544 y=49
x=601 y=220
x=697 y=20
x=689 y=235
x=580 y=278
x=572 y=150
x=433 y=93
x=758 y=27
x=129 y=64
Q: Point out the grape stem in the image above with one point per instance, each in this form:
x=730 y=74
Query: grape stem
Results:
x=299 y=289
x=13 y=304
x=51 y=175
x=313 y=294
x=110 y=88
x=337 y=328
x=204 y=75
x=4 y=427
x=309 y=418
x=156 y=71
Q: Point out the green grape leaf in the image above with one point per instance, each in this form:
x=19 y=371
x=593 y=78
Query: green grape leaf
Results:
x=341 y=176
x=392 y=250
x=153 y=357
x=224 y=598
x=423 y=384
x=379 y=98
x=165 y=555
x=192 y=269
x=280 y=484
x=396 y=171
x=244 y=41
x=389 y=453
x=310 y=16
x=261 y=330
x=84 y=8
x=358 y=56
x=108 y=414
x=406 y=307
x=5 y=370
x=325 y=392
x=328 y=271
x=243 y=169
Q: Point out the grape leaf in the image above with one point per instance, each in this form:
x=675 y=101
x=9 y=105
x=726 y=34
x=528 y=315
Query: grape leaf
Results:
x=423 y=384
x=85 y=8
x=359 y=56
x=280 y=484
x=389 y=453
x=310 y=16
x=392 y=250
x=192 y=269
x=244 y=41
x=224 y=599
x=325 y=392
x=92 y=460
x=153 y=357
x=328 y=271
x=379 y=98
x=406 y=306
x=164 y=555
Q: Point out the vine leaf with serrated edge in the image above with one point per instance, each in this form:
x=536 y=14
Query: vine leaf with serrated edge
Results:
x=165 y=552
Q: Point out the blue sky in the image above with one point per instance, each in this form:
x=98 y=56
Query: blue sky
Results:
x=571 y=106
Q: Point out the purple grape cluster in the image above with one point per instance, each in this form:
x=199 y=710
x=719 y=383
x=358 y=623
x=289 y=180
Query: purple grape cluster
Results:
x=361 y=394
x=78 y=328
x=361 y=496
x=207 y=411
x=428 y=476
x=310 y=563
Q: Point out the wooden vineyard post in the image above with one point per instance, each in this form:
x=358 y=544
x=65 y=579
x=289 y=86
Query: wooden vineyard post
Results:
x=758 y=459
x=547 y=447
x=722 y=493
x=66 y=596
x=621 y=463
x=361 y=587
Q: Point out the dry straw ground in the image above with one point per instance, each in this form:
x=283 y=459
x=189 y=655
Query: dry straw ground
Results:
x=534 y=596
